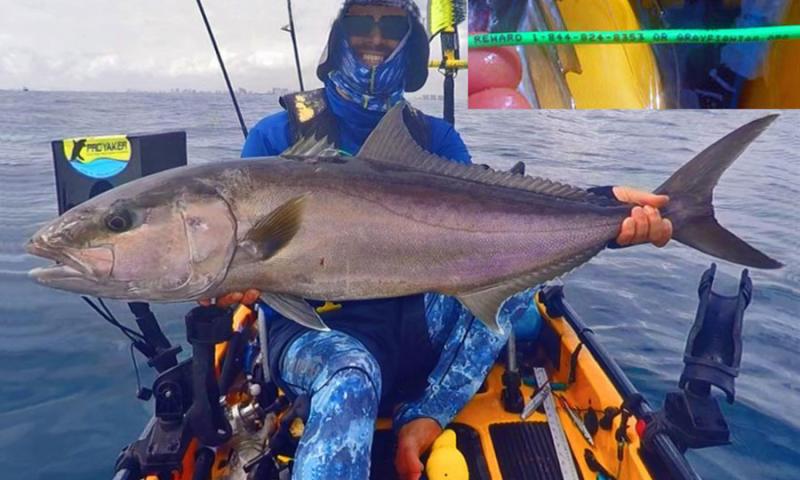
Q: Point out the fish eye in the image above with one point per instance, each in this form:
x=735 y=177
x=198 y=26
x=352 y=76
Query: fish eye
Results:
x=119 y=221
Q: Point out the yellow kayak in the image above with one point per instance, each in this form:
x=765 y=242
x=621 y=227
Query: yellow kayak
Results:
x=779 y=85
x=612 y=76
x=497 y=444
x=619 y=76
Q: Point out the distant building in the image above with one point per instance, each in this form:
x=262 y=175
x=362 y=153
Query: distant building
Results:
x=430 y=97
x=277 y=91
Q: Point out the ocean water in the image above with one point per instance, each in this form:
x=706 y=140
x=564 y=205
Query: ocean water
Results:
x=67 y=402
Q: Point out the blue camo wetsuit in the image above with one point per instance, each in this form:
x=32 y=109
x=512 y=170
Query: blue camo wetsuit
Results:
x=341 y=374
x=426 y=354
x=720 y=80
x=746 y=59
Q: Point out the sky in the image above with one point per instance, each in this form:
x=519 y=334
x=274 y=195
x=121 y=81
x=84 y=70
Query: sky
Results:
x=161 y=45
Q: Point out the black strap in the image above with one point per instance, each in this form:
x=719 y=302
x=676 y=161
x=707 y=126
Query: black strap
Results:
x=310 y=116
x=203 y=463
x=573 y=364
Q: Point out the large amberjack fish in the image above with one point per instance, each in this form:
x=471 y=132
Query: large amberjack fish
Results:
x=393 y=220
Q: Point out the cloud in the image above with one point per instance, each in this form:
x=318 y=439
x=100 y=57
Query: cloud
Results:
x=99 y=65
x=16 y=63
x=160 y=44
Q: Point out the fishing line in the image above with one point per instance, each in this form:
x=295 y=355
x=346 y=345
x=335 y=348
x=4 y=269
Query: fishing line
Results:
x=136 y=369
x=669 y=36
x=132 y=335
x=105 y=308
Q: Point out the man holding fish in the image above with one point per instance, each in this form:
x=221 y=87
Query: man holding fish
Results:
x=363 y=208
x=364 y=360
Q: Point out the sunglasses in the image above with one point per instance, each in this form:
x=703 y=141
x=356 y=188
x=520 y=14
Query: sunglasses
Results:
x=392 y=27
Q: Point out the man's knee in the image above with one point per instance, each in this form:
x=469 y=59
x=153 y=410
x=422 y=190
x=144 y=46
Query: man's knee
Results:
x=313 y=359
x=356 y=370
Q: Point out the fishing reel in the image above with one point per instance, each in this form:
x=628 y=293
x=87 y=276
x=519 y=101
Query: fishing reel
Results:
x=236 y=411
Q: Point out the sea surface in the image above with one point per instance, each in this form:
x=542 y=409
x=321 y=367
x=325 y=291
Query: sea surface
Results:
x=67 y=385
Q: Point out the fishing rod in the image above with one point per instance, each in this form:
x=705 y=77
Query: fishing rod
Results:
x=290 y=29
x=222 y=66
x=454 y=64
x=669 y=36
x=443 y=19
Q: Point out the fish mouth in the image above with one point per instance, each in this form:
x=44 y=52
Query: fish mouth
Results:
x=55 y=272
x=64 y=265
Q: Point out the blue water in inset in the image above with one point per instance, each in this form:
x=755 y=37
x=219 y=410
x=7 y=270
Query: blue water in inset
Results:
x=67 y=388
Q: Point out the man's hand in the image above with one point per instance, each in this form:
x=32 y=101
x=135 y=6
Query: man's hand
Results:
x=645 y=223
x=413 y=439
x=247 y=297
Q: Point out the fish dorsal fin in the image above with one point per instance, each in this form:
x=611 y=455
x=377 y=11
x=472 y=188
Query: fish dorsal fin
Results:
x=311 y=147
x=485 y=302
x=391 y=143
x=275 y=230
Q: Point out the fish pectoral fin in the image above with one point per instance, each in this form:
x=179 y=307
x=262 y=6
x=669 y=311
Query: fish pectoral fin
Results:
x=295 y=309
x=485 y=305
x=273 y=232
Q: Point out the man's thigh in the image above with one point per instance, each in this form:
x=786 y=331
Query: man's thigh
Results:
x=314 y=358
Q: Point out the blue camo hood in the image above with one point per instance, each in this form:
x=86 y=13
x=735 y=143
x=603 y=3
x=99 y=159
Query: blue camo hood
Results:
x=405 y=70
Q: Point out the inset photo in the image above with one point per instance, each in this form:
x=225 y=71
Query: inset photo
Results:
x=634 y=54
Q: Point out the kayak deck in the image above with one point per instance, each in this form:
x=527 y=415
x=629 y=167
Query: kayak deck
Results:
x=523 y=449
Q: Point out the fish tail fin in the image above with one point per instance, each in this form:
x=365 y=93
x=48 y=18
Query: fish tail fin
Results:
x=691 y=190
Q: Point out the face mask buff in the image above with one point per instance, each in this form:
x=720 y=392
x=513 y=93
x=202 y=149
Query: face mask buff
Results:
x=375 y=88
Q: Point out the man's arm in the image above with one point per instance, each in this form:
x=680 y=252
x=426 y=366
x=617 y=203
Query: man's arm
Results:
x=468 y=353
x=255 y=145
x=645 y=223
x=446 y=142
x=268 y=137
